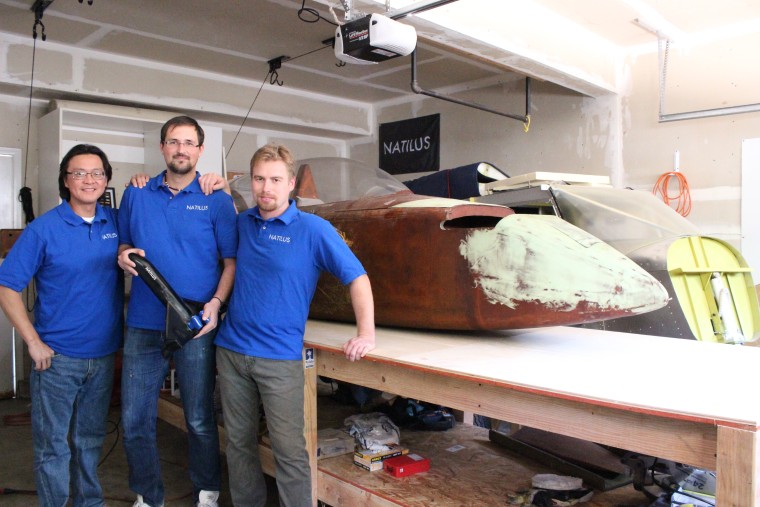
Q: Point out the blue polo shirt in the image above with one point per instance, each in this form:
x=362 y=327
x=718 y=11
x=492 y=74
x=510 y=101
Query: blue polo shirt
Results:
x=80 y=287
x=279 y=263
x=185 y=236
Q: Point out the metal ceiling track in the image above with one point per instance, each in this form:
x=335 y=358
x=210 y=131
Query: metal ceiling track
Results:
x=663 y=48
x=423 y=5
x=525 y=119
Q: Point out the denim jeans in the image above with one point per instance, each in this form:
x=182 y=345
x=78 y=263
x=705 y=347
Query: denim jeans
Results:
x=143 y=373
x=245 y=381
x=70 y=402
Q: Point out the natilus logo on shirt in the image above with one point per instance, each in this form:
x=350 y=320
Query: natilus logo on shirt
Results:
x=281 y=239
x=197 y=207
x=109 y=235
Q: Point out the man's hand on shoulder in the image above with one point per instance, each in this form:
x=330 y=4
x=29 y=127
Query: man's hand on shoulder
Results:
x=210 y=182
x=139 y=180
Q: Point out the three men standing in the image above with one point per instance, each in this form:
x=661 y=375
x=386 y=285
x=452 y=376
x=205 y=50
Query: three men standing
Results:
x=192 y=239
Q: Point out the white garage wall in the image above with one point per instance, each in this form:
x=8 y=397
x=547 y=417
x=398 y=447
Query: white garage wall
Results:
x=750 y=209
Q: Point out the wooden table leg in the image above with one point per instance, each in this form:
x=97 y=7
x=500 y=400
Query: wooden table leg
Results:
x=738 y=470
x=310 y=416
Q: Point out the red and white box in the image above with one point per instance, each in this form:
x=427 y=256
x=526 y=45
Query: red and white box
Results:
x=373 y=460
x=408 y=464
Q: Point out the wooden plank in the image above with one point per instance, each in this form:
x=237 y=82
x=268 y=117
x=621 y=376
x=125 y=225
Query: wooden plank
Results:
x=335 y=490
x=466 y=469
x=537 y=178
x=599 y=386
x=738 y=468
x=170 y=410
x=310 y=418
x=679 y=440
x=603 y=368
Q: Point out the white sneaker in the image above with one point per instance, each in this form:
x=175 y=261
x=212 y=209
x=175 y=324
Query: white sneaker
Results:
x=140 y=503
x=208 y=499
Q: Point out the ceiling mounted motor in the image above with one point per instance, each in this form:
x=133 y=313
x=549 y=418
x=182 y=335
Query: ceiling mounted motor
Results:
x=373 y=39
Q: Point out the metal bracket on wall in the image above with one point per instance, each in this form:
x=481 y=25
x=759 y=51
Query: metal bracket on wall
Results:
x=525 y=119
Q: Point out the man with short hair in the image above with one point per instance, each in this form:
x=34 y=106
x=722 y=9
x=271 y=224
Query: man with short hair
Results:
x=281 y=253
x=70 y=252
x=191 y=239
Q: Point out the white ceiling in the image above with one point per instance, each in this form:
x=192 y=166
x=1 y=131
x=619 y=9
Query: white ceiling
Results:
x=462 y=45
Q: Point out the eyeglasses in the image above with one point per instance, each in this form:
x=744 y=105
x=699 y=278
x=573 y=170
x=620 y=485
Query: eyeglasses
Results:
x=173 y=143
x=97 y=174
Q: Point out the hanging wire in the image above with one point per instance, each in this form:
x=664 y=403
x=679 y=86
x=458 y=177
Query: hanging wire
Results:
x=272 y=76
x=682 y=196
x=248 y=113
x=25 y=194
x=308 y=53
x=273 y=79
x=29 y=113
x=316 y=16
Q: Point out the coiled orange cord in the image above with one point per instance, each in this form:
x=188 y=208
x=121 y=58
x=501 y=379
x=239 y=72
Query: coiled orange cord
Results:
x=682 y=198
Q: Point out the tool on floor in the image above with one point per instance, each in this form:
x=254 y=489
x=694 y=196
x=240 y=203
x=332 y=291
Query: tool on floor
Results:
x=181 y=324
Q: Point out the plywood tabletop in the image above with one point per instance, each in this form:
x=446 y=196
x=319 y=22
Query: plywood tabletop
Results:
x=682 y=379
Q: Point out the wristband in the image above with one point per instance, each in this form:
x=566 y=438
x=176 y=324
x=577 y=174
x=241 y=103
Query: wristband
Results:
x=220 y=300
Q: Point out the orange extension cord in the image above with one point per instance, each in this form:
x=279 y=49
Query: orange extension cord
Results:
x=682 y=198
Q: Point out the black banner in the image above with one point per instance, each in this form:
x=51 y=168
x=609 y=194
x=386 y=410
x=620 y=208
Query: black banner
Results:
x=411 y=146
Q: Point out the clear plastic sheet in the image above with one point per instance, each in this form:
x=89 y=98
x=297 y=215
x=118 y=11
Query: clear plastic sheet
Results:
x=628 y=220
x=336 y=179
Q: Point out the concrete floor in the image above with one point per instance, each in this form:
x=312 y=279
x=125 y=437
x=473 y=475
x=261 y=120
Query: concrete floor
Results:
x=16 y=464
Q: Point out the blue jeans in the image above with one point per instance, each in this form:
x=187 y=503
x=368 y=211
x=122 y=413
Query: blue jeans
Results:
x=70 y=401
x=245 y=382
x=143 y=373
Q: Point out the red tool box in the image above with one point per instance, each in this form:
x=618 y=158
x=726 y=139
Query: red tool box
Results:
x=408 y=464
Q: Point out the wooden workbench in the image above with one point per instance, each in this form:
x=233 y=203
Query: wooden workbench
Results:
x=686 y=401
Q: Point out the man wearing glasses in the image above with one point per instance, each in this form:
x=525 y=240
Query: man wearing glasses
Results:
x=69 y=251
x=191 y=238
